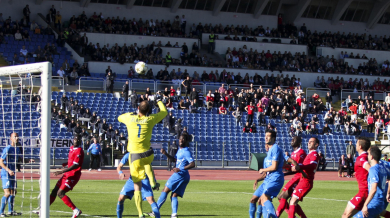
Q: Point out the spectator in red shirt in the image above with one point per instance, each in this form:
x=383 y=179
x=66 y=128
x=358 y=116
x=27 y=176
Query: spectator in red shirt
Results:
x=251 y=110
x=260 y=113
x=370 y=123
x=246 y=128
x=209 y=100
x=298 y=103
x=353 y=110
x=315 y=97
x=222 y=110
x=212 y=77
x=173 y=91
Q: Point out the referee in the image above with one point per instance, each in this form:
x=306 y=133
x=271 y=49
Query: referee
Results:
x=139 y=128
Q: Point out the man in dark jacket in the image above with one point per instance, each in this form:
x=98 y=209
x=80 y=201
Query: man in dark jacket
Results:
x=178 y=128
x=125 y=91
x=109 y=83
x=103 y=127
x=193 y=94
x=134 y=100
x=110 y=134
x=77 y=130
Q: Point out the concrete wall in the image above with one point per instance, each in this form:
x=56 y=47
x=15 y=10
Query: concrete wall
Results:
x=343 y=26
x=205 y=38
x=103 y=39
x=307 y=79
x=221 y=46
x=380 y=56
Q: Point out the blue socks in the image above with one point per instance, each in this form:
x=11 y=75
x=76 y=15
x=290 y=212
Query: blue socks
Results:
x=155 y=210
x=175 y=205
x=252 y=210
x=269 y=210
x=259 y=211
x=162 y=199
x=11 y=199
x=119 y=209
x=3 y=203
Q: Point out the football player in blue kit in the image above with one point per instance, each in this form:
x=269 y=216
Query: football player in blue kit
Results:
x=179 y=180
x=377 y=177
x=128 y=191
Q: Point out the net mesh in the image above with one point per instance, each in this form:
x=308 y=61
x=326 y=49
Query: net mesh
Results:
x=20 y=112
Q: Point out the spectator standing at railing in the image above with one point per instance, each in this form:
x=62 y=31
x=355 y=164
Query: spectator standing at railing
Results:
x=187 y=85
x=109 y=83
x=125 y=90
x=370 y=123
x=329 y=101
x=211 y=43
x=61 y=73
x=58 y=21
x=73 y=77
x=27 y=12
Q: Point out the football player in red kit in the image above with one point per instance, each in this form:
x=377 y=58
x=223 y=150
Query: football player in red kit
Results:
x=71 y=176
x=308 y=166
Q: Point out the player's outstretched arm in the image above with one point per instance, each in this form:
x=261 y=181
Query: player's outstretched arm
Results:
x=296 y=167
x=73 y=167
x=167 y=155
x=160 y=115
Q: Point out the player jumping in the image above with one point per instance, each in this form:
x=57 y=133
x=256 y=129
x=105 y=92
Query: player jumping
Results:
x=361 y=171
x=71 y=176
x=179 y=180
x=377 y=176
x=274 y=180
x=128 y=191
x=8 y=160
x=309 y=166
x=139 y=128
x=298 y=155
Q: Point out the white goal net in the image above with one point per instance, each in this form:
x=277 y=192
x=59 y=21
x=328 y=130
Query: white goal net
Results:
x=25 y=95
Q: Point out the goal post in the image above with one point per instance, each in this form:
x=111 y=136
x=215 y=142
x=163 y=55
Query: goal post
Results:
x=10 y=78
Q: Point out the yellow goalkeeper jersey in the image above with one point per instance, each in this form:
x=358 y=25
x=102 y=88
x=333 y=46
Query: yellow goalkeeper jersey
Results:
x=140 y=129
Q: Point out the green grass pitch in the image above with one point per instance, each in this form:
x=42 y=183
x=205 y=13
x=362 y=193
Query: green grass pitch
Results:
x=98 y=198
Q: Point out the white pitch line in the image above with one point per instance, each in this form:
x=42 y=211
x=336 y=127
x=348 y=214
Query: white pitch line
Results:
x=57 y=211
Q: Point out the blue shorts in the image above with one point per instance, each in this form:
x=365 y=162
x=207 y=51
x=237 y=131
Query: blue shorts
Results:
x=128 y=189
x=178 y=182
x=9 y=182
x=270 y=189
x=373 y=211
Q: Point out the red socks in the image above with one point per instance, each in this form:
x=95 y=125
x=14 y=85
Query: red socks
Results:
x=299 y=211
x=291 y=212
x=52 y=198
x=68 y=202
x=282 y=206
x=387 y=214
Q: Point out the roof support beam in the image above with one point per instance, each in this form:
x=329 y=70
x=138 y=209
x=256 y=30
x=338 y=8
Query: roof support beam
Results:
x=377 y=12
x=84 y=3
x=175 y=5
x=129 y=4
x=296 y=11
x=218 y=6
x=340 y=9
x=260 y=5
x=38 y=2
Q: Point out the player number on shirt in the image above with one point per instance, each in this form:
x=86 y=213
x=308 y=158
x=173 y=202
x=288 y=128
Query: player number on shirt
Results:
x=139 y=130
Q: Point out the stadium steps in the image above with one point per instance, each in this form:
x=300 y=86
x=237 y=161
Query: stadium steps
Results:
x=216 y=56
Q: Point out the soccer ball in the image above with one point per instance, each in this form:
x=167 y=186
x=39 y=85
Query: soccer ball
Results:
x=141 y=67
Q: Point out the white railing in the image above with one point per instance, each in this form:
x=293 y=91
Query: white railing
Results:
x=88 y=83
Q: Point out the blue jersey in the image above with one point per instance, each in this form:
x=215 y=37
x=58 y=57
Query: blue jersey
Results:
x=377 y=174
x=274 y=154
x=10 y=156
x=183 y=158
x=94 y=149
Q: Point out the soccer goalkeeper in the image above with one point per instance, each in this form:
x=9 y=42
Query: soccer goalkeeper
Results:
x=139 y=128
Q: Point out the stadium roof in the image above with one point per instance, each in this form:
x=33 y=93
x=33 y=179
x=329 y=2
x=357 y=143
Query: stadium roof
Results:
x=368 y=11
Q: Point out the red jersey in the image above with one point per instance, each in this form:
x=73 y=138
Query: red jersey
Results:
x=222 y=109
x=76 y=156
x=209 y=99
x=361 y=173
x=173 y=92
x=250 y=109
x=299 y=156
x=309 y=165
